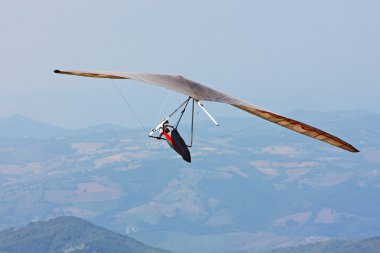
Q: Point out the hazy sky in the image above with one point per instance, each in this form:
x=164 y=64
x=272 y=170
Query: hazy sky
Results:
x=281 y=55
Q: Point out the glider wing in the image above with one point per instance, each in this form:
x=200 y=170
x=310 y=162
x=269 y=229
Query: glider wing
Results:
x=201 y=92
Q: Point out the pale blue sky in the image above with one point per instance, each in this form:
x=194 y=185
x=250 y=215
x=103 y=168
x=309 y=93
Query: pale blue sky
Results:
x=281 y=55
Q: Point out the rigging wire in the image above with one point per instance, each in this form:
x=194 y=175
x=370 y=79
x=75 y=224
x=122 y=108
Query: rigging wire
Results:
x=241 y=130
x=129 y=106
x=182 y=112
x=163 y=107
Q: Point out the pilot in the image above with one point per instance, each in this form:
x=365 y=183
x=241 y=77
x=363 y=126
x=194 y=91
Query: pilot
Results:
x=174 y=140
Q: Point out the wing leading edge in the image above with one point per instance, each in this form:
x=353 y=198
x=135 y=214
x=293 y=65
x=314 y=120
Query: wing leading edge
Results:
x=202 y=92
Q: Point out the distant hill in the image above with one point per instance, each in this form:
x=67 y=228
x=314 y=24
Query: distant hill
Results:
x=371 y=245
x=18 y=126
x=68 y=234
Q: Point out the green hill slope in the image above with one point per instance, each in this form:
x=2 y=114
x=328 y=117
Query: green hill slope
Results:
x=68 y=235
x=371 y=245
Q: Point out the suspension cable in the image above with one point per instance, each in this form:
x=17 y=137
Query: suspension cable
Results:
x=183 y=111
x=163 y=106
x=179 y=107
x=129 y=106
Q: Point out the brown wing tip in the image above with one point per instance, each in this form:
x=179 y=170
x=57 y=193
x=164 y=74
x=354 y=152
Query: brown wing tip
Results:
x=354 y=150
x=348 y=147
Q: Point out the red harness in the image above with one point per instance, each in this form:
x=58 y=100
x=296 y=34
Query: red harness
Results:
x=172 y=142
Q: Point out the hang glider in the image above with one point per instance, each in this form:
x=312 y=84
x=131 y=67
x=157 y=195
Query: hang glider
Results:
x=199 y=92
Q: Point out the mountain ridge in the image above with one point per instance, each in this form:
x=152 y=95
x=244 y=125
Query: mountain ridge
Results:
x=367 y=245
x=69 y=234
